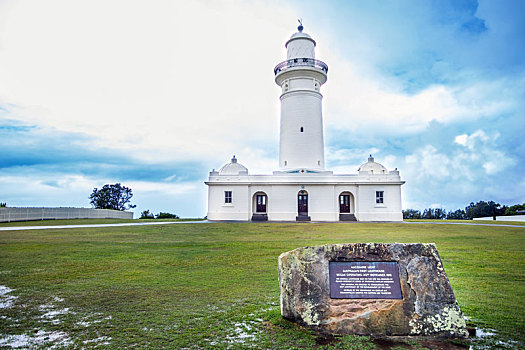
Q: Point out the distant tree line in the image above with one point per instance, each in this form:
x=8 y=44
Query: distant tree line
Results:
x=146 y=214
x=478 y=210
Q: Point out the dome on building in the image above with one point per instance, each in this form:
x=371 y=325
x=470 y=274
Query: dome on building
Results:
x=233 y=168
x=372 y=167
x=300 y=35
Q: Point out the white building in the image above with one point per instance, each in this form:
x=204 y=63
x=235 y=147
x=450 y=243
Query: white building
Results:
x=302 y=190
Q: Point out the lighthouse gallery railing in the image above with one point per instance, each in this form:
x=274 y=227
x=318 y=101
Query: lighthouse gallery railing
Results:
x=300 y=62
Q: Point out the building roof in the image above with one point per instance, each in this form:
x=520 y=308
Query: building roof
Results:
x=233 y=168
x=372 y=167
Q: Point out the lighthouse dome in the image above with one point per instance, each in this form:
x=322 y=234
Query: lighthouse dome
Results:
x=372 y=167
x=300 y=45
x=300 y=35
x=233 y=168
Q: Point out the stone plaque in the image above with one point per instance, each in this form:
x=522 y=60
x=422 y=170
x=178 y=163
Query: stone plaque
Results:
x=396 y=290
x=364 y=280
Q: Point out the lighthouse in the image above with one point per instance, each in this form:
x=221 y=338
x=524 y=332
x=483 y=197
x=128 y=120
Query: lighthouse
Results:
x=302 y=189
x=300 y=78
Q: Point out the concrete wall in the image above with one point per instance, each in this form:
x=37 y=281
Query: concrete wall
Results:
x=504 y=218
x=30 y=214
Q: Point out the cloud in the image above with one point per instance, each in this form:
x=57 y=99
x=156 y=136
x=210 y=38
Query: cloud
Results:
x=146 y=78
x=464 y=170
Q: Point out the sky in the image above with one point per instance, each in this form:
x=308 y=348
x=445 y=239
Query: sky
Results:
x=155 y=94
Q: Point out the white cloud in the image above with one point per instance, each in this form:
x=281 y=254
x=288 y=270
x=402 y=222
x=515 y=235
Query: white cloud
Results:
x=172 y=80
x=461 y=139
x=483 y=149
x=362 y=101
x=428 y=162
x=476 y=138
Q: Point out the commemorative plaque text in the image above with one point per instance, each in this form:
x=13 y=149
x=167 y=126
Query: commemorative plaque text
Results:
x=364 y=280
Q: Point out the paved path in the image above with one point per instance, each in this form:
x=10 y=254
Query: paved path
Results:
x=18 y=228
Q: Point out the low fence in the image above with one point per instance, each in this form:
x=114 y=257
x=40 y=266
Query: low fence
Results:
x=504 y=218
x=32 y=214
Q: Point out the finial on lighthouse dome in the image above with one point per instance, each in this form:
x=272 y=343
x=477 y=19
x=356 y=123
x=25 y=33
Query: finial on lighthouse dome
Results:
x=300 y=28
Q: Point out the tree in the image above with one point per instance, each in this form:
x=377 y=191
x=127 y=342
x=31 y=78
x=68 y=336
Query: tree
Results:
x=411 y=214
x=114 y=197
x=162 y=215
x=434 y=213
x=515 y=209
x=483 y=209
x=3 y=205
x=457 y=215
x=146 y=215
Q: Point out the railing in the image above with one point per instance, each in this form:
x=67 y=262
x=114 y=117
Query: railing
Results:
x=300 y=62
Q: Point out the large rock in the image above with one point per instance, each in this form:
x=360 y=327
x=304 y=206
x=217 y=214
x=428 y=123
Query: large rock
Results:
x=427 y=307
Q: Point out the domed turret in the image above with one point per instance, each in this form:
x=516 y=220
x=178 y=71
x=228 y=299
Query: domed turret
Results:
x=372 y=167
x=233 y=168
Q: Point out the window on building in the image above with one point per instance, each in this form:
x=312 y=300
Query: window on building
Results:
x=227 y=196
x=302 y=129
x=379 y=196
x=285 y=162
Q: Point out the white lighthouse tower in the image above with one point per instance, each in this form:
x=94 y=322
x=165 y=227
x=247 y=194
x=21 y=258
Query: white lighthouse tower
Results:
x=302 y=189
x=300 y=78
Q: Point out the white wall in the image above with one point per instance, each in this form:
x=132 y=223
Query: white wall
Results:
x=30 y=214
x=504 y=218
x=238 y=209
x=369 y=210
x=323 y=201
x=301 y=149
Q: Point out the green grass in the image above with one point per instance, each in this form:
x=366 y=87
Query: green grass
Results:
x=204 y=285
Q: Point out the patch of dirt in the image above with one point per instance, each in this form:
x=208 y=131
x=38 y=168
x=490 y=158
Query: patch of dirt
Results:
x=325 y=339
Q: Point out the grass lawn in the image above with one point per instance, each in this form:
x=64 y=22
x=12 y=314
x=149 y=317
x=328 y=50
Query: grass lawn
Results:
x=216 y=285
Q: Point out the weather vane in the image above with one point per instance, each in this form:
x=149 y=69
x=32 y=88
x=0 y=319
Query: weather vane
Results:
x=300 y=20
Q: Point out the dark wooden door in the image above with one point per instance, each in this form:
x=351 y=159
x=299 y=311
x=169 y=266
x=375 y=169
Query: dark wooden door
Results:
x=261 y=203
x=344 y=203
x=302 y=204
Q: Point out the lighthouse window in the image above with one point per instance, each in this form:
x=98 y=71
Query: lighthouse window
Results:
x=285 y=162
x=302 y=129
x=379 y=196
x=227 y=196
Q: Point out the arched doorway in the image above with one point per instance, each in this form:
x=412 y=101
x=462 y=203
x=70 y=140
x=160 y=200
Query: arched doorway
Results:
x=302 y=206
x=260 y=207
x=346 y=207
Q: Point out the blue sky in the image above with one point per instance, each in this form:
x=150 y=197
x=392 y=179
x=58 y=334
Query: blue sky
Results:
x=156 y=94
